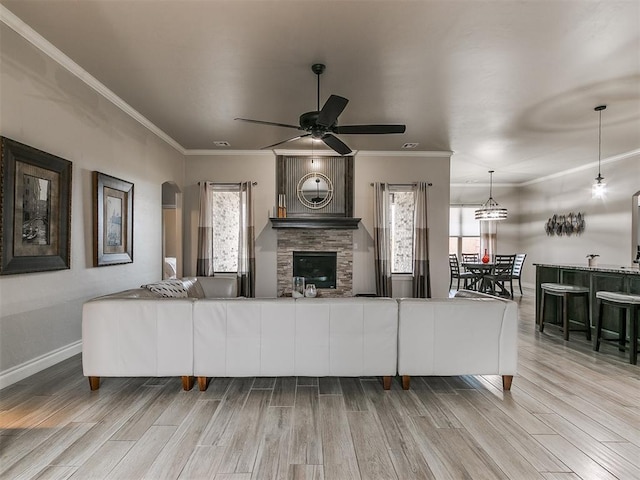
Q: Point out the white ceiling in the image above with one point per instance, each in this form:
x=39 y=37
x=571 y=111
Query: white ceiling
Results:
x=506 y=85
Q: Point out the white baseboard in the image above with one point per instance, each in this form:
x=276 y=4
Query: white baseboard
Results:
x=26 y=369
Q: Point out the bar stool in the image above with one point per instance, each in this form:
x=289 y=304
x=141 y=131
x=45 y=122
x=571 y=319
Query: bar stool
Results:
x=566 y=291
x=627 y=303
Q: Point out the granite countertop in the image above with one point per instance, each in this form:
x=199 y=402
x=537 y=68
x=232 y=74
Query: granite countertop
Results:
x=630 y=269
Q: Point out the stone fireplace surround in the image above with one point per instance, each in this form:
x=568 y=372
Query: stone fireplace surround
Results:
x=313 y=239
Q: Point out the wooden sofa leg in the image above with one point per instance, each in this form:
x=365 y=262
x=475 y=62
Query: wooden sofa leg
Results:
x=386 y=382
x=187 y=383
x=506 y=382
x=203 y=383
x=94 y=383
x=406 y=382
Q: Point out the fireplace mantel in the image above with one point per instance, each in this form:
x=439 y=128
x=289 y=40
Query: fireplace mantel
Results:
x=335 y=223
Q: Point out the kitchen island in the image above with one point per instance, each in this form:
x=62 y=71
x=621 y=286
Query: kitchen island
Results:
x=612 y=278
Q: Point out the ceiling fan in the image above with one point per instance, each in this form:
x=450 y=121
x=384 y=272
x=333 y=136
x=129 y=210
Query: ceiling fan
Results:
x=323 y=124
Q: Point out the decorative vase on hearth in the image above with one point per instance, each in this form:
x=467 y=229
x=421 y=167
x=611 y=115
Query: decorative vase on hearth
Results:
x=297 y=290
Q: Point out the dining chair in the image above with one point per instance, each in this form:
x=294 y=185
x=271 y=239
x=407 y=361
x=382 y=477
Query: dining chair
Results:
x=502 y=272
x=470 y=257
x=454 y=267
x=517 y=270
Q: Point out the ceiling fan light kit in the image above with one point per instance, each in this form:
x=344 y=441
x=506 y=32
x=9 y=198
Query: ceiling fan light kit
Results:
x=490 y=209
x=322 y=124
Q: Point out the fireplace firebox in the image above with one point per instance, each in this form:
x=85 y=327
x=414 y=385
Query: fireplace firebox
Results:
x=318 y=268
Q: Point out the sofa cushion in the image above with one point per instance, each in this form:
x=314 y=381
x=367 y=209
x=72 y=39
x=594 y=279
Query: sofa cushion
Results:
x=131 y=338
x=219 y=286
x=168 y=288
x=132 y=293
x=295 y=337
x=457 y=336
x=193 y=286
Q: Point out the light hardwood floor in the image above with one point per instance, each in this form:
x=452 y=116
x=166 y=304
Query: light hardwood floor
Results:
x=571 y=414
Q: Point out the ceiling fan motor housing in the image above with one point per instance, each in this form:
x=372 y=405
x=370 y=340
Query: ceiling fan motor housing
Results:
x=309 y=123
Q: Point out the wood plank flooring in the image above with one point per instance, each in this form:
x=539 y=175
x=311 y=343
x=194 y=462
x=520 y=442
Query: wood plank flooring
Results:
x=571 y=414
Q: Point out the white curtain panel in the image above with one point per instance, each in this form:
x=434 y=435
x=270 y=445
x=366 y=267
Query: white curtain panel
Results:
x=421 y=277
x=382 y=239
x=204 y=264
x=246 y=244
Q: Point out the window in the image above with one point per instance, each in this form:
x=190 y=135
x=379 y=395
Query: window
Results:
x=401 y=219
x=226 y=229
x=464 y=230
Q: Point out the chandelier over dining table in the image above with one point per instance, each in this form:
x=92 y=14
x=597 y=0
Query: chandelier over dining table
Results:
x=490 y=209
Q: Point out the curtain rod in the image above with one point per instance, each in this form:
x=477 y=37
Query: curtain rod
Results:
x=429 y=184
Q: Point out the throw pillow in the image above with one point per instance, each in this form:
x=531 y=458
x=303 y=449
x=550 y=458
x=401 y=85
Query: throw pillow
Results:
x=168 y=288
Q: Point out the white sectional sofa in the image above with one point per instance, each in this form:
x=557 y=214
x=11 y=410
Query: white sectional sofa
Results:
x=135 y=333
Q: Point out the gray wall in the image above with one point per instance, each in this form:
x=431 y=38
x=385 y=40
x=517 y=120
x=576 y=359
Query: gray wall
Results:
x=45 y=106
x=608 y=221
x=368 y=168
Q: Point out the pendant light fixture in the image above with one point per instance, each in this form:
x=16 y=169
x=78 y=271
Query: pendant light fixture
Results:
x=598 y=190
x=490 y=209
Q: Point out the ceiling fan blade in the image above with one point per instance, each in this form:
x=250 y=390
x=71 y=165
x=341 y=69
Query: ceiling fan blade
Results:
x=368 y=129
x=336 y=144
x=332 y=108
x=286 y=141
x=274 y=124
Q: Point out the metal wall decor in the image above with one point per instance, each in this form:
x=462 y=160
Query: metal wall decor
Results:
x=570 y=224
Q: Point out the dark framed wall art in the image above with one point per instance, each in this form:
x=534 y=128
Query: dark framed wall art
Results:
x=35 y=206
x=113 y=219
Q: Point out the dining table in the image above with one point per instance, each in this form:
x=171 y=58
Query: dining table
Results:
x=480 y=271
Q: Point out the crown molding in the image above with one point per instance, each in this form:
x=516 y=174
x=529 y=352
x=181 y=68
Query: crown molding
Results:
x=399 y=153
x=323 y=152
x=588 y=166
x=483 y=185
x=368 y=153
x=30 y=35
x=315 y=153
x=571 y=171
x=227 y=153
